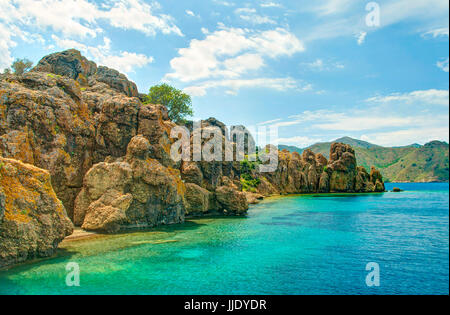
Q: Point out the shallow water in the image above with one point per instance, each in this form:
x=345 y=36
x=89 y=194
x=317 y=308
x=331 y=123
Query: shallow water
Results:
x=311 y=244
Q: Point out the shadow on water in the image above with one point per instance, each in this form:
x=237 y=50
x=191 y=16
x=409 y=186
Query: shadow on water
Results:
x=70 y=248
x=60 y=253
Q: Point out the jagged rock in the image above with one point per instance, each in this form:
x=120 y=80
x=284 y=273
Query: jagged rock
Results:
x=253 y=198
x=377 y=179
x=362 y=183
x=72 y=64
x=343 y=166
x=32 y=219
x=135 y=191
x=51 y=118
x=324 y=183
x=231 y=200
x=108 y=213
x=311 y=173
x=116 y=80
x=69 y=63
x=198 y=200
x=191 y=173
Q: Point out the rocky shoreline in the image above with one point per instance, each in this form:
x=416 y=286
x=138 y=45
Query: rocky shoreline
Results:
x=79 y=148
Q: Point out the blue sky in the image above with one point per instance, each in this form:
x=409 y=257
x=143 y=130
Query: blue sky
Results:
x=315 y=69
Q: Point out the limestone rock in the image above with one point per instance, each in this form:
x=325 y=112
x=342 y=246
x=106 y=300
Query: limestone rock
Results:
x=253 y=198
x=198 y=200
x=32 y=219
x=343 y=166
x=116 y=80
x=135 y=191
x=69 y=63
x=232 y=201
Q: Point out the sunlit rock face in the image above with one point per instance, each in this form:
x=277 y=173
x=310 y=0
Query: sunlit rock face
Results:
x=313 y=173
x=32 y=219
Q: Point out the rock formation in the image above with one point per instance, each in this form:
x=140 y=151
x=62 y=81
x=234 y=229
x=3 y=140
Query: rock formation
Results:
x=133 y=191
x=108 y=159
x=32 y=219
x=312 y=173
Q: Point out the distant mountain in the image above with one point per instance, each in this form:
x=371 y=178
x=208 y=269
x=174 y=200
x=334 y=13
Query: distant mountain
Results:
x=412 y=163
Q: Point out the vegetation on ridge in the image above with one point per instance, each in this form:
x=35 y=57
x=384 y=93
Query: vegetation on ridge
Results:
x=178 y=103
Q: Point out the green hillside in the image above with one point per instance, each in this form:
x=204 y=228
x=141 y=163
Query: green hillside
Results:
x=415 y=163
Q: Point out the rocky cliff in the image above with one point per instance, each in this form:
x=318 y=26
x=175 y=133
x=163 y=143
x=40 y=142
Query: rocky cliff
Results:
x=32 y=219
x=108 y=159
x=81 y=123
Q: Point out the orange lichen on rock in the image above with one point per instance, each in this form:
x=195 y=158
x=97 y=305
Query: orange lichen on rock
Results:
x=33 y=220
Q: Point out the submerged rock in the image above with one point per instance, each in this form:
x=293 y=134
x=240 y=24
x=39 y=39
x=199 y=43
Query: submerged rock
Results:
x=32 y=219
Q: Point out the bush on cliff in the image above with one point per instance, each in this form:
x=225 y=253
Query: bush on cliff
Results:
x=179 y=104
x=20 y=66
x=248 y=181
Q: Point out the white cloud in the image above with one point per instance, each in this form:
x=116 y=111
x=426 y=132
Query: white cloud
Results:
x=423 y=97
x=6 y=43
x=270 y=5
x=268 y=122
x=191 y=13
x=69 y=19
x=329 y=7
x=439 y=32
x=251 y=16
x=443 y=65
x=408 y=136
x=81 y=17
x=347 y=17
x=392 y=120
x=320 y=65
x=243 y=63
x=231 y=53
x=224 y=3
x=124 y=62
x=138 y=15
x=233 y=86
x=360 y=38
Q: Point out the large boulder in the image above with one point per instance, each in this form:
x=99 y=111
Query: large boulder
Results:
x=69 y=63
x=32 y=219
x=231 y=200
x=134 y=191
x=199 y=201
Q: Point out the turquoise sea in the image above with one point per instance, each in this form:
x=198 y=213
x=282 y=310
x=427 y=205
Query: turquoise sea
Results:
x=310 y=244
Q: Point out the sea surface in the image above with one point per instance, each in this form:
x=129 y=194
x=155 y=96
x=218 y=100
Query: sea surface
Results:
x=309 y=244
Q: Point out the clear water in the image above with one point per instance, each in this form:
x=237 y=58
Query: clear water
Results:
x=314 y=244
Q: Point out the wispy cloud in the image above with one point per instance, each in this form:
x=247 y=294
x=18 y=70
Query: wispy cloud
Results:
x=321 y=65
x=233 y=86
x=422 y=97
x=226 y=58
x=443 y=65
x=250 y=15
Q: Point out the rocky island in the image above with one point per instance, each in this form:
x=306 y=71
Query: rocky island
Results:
x=79 y=147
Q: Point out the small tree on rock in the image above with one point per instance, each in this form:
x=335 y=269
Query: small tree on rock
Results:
x=179 y=104
x=20 y=66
